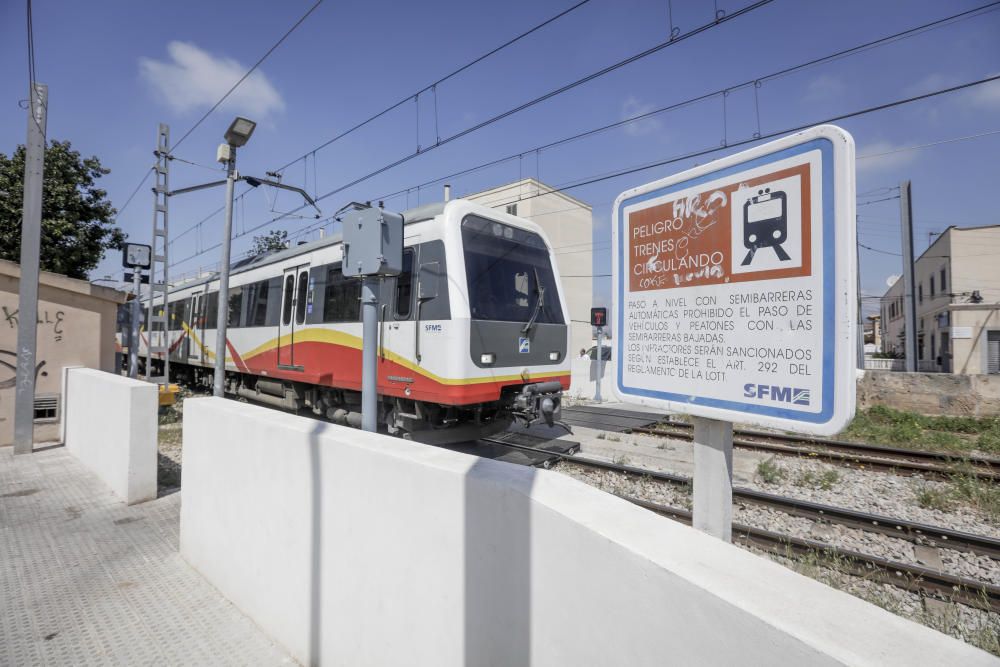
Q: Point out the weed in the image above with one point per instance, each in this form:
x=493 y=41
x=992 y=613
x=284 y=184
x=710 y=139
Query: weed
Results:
x=880 y=424
x=613 y=438
x=980 y=494
x=824 y=480
x=769 y=472
x=933 y=498
x=602 y=435
x=621 y=460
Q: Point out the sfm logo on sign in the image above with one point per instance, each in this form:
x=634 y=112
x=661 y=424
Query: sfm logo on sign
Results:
x=775 y=393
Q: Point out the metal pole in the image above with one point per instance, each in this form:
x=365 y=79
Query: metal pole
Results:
x=369 y=344
x=909 y=307
x=133 y=339
x=223 y=320
x=31 y=239
x=713 y=477
x=861 y=326
x=600 y=363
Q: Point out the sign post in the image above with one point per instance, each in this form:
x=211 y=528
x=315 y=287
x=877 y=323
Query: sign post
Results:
x=599 y=318
x=735 y=299
x=137 y=257
x=373 y=248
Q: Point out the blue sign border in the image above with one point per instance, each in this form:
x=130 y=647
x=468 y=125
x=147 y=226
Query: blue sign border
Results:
x=825 y=146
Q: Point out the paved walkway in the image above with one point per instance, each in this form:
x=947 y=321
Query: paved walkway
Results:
x=87 y=580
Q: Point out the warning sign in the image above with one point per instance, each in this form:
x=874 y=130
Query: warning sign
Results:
x=735 y=287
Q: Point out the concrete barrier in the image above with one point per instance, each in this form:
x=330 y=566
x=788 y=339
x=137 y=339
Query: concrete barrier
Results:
x=352 y=548
x=110 y=425
x=932 y=393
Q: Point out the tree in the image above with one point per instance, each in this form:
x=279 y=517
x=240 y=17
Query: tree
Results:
x=77 y=216
x=276 y=239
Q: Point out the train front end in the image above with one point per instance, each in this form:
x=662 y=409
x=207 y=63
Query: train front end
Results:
x=513 y=306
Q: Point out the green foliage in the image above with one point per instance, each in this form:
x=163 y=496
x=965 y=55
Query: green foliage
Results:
x=882 y=425
x=933 y=498
x=769 y=472
x=275 y=240
x=77 y=216
x=824 y=480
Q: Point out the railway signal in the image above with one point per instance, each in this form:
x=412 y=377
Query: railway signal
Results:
x=599 y=318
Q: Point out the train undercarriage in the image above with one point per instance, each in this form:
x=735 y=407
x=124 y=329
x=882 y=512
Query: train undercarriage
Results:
x=421 y=421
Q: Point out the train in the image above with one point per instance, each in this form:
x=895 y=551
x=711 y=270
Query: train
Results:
x=473 y=333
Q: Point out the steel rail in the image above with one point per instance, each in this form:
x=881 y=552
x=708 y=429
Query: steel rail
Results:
x=911 y=531
x=913 y=578
x=876 y=457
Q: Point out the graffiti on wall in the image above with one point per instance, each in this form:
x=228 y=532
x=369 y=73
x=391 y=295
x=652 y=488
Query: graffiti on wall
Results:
x=53 y=321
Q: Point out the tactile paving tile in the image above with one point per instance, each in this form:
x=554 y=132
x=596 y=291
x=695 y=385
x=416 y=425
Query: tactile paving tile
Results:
x=88 y=580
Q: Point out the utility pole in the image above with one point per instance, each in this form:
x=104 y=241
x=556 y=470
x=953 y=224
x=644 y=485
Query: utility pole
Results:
x=133 y=345
x=157 y=322
x=219 y=384
x=369 y=344
x=861 y=326
x=31 y=239
x=909 y=307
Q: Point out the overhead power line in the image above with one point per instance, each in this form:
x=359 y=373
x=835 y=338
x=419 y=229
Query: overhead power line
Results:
x=694 y=154
x=553 y=93
x=433 y=86
x=222 y=99
x=248 y=73
x=770 y=135
x=706 y=96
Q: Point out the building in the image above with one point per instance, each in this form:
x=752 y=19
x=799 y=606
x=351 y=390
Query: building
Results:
x=957 y=298
x=569 y=224
x=76 y=327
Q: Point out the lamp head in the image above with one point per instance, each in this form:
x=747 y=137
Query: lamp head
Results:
x=239 y=131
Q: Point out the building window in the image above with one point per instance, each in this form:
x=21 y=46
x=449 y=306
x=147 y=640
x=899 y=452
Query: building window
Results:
x=921 y=324
x=920 y=293
x=512 y=209
x=931 y=351
x=944 y=282
x=932 y=287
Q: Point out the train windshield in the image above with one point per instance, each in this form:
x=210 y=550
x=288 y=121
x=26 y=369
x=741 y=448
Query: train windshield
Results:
x=509 y=274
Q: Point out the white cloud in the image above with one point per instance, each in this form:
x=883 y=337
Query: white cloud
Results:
x=631 y=108
x=987 y=94
x=883 y=155
x=193 y=79
x=824 y=88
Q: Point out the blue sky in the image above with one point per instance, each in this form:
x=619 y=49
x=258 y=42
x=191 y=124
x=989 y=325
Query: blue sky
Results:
x=116 y=69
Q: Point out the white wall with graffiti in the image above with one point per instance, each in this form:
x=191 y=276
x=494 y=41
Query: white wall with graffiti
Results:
x=76 y=327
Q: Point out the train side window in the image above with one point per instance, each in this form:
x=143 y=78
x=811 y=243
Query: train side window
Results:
x=211 y=301
x=235 y=307
x=404 y=287
x=300 y=301
x=286 y=312
x=342 y=299
x=257 y=304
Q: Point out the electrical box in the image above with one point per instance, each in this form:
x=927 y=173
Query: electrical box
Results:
x=373 y=243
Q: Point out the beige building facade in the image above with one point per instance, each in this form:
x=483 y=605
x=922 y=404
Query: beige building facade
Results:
x=957 y=299
x=569 y=224
x=77 y=322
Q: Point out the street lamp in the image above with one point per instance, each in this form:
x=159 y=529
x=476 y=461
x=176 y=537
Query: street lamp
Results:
x=236 y=136
x=239 y=131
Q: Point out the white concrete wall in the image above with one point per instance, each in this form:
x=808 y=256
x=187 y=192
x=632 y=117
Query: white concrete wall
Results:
x=110 y=425
x=583 y=379
x=352 y=548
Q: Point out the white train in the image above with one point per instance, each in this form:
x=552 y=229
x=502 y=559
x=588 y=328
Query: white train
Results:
x=472 y=334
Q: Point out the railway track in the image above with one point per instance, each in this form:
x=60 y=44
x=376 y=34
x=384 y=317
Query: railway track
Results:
x=904 y=575
x=851 y=454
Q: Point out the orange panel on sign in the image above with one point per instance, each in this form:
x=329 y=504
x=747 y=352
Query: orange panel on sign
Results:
x=757 y=229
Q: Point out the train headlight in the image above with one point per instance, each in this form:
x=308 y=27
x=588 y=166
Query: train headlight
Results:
x=487 y=358
x=553 y=356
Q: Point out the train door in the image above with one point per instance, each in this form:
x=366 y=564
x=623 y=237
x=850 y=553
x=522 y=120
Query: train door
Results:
x=396 y=315
x=294 y=293
x=197 y=327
